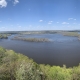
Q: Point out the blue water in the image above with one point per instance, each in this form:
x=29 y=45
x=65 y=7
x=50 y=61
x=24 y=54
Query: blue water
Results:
x=61 y=50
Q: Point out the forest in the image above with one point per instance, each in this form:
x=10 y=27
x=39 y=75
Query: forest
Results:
x=16 y=66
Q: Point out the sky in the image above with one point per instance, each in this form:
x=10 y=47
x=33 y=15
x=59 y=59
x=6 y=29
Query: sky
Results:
x=25 y=15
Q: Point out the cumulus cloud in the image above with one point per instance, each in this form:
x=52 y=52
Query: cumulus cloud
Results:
x=3 y=3
x=50 y=22
x=57 y=22
x=40 y=20
x=70 y=18
x=16 y=1
x=74 y=19
x=65 y=23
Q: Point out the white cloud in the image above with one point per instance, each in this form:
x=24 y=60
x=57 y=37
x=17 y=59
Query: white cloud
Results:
x=74 y=19
x=49 y=23
x=57 y=22
x=65 y=23
x=16 y=1
x=40 y=20
x=70 y=18
x=3 y=3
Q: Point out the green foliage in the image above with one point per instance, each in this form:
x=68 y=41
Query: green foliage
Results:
x=2 y=54
x=58 y=73
x=76 y=73
x=19 y=67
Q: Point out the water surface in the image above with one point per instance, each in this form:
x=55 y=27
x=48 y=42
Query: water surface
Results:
x=61 y=50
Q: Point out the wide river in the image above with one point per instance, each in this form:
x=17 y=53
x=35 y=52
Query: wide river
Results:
x=61 y=50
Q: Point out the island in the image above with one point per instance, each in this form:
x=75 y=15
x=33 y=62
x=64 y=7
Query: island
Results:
x=4 y=36
x=31 y=39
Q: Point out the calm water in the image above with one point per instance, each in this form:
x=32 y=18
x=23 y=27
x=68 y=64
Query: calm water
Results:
x=61 y=50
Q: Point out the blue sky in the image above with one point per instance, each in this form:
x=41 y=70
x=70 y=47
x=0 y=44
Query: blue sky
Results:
x=22 y=15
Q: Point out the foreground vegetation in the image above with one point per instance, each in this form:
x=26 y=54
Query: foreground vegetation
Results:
x=31 y=39
x=15 y=66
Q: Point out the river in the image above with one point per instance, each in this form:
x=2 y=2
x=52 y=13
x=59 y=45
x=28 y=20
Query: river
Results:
x=61 y=50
